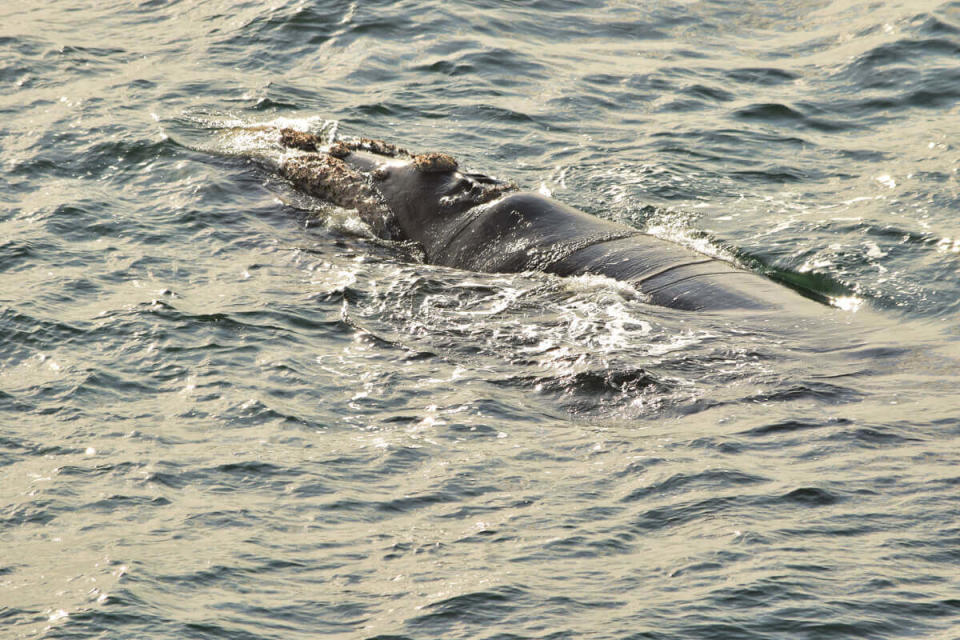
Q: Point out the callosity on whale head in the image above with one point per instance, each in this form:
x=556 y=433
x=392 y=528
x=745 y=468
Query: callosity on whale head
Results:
x=400 y=195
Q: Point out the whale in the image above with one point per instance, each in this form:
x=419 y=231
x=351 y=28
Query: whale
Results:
x=476 y=222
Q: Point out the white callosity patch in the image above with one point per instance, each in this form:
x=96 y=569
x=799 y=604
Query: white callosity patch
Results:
x=332 y=180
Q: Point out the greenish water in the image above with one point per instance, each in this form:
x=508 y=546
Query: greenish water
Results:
x=226 y=413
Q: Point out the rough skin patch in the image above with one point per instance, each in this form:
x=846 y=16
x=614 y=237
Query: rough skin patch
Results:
x=434 y=162
x=300 y=140
x=376 y=146
x=425 y=162
x=339 y=150
x=333 y=181
x=294 y=139
x=479 y=193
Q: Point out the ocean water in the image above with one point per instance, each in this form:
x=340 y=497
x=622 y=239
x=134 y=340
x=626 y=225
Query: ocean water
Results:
x=227 y=412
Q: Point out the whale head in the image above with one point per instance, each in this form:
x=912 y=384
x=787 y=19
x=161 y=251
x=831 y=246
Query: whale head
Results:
x=402 y=196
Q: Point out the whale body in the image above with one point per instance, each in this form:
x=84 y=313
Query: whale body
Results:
x=475 y=222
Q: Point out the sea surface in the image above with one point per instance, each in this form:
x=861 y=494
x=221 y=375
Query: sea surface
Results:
x=226 y=411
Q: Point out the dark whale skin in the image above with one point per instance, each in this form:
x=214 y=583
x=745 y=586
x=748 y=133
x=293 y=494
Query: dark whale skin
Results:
x=474 y=222
x=530 y=232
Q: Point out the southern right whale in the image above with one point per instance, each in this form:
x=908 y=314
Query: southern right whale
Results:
x=476 y=222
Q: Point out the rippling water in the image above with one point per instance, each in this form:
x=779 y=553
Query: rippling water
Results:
x=228 y=413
